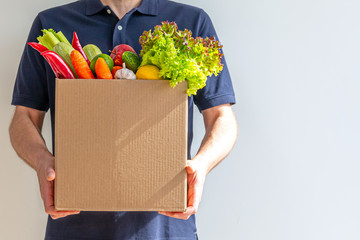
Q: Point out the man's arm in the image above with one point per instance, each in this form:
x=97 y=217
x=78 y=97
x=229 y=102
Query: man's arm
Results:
x=25 y=135
x=219 y=139
x=26 y=139
x=220 y=136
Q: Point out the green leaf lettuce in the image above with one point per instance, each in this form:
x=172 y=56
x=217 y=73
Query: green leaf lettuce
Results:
x=180 y=57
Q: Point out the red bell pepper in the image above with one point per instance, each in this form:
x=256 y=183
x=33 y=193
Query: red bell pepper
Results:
x=77 y=46
x=58 y=65
x=37 y=46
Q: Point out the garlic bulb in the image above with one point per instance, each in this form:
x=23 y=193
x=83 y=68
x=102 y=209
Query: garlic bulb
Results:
x=125 y=73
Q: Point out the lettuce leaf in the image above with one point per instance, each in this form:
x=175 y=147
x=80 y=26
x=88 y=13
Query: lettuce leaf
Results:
x=180 y=57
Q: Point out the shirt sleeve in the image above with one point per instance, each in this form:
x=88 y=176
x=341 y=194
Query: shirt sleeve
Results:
x=30 y=89
x=218 y=89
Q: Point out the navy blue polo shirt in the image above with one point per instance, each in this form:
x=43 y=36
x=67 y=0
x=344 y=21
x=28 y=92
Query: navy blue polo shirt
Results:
x=97 y=24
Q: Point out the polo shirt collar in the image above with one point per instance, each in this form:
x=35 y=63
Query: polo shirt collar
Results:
x=93 y=7
x=147 y=7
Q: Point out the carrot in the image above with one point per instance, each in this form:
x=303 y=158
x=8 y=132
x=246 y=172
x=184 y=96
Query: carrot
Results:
x=81 y=66
x=115 y=69
x=102 y=69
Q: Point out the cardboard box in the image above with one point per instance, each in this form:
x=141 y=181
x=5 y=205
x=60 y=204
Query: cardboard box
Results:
x=120 y=145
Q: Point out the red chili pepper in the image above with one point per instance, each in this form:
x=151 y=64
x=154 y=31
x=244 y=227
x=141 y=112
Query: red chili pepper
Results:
x=37 y=46
x=58 y=65
x=77 y=46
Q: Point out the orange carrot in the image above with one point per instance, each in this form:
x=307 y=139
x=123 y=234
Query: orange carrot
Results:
x=115 y=69
x=81 y=66
x=102 y=69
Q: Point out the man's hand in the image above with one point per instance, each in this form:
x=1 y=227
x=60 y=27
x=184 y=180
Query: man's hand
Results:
x=196 y=174
x=46 y=176
x=26 y=138
x=219 y=139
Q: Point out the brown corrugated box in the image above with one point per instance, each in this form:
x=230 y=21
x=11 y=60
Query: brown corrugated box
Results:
x=120 y=145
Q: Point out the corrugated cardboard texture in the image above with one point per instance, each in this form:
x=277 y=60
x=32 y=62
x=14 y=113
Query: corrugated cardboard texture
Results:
x=120 y=145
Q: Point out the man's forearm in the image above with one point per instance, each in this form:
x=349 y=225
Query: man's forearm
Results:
x=27 y=140
x=220 y=137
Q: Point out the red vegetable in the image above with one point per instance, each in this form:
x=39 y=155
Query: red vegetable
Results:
x=37 y=46
x=77 y=46
x=58 y=65
x=115 y=69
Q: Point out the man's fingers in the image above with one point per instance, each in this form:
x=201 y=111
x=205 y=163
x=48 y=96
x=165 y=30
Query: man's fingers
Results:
x=62 y=213
x=50 y=174
x=194 y=194
x=49 y=203
x=50 y=208
x=48 y=195
x=196 y=174
x=57 y=215
x=53 y=212
x=191 y=197
x=46 y=175
x=196 y=180
x=181 y=215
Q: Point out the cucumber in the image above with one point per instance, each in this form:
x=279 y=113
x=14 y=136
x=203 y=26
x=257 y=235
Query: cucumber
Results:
x=64 y=50
x=132 y=60
x=91 y=51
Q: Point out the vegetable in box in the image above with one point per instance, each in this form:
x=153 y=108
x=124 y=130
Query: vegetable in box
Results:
x=181 y=57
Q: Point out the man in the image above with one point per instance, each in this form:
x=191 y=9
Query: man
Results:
x=108 y=23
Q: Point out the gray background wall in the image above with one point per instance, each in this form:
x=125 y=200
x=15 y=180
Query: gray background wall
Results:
x=294 y=171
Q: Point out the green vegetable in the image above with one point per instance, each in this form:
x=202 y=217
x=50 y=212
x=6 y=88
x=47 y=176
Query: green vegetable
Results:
x=181 y=57
x=131 y=60
x=62 y=37
x=50 y=38
x=64 y=51
x=91 y=51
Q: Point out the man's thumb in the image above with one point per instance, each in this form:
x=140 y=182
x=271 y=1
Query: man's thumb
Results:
x=50 y=174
